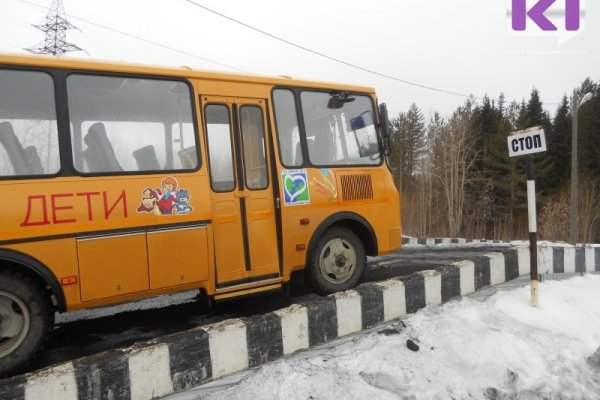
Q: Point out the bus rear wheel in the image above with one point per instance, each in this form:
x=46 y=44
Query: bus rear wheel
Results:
x=26 y=318
x=337 y=261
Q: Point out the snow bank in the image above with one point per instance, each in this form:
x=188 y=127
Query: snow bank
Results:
x=497 y=349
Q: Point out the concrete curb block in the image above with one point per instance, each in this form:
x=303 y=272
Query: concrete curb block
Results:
x=436 y=241
x=180 y=361
x=445 y=241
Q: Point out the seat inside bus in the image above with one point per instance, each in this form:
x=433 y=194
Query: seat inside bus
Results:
x=323 y=149
x=146 y=159
x=34 y=161
x=24 y=161
x=99 y=155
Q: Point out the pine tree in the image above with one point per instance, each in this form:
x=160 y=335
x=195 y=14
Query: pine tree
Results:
x=505 y=174
x=408 y=145
x=486 y=118
x=558 y=142
x=534 y=112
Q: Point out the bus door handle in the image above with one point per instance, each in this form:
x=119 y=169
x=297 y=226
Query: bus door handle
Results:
x=240 y=194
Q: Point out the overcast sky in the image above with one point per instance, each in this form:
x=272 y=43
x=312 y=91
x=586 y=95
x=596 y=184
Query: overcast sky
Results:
x=463 y=46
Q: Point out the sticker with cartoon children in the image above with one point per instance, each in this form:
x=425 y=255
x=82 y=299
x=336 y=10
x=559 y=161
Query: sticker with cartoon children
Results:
x=167 y=196
x=166 y=200
x=182 y=206
x=148 y=202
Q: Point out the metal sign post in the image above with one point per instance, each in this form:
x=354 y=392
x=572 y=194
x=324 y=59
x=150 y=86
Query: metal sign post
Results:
x=532 y=215
x=529 y=142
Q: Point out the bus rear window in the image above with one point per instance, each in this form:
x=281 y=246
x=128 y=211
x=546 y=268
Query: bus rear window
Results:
x=28 y=128
x=122 y=124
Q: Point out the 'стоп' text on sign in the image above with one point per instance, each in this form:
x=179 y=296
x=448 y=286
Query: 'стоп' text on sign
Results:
x=526 y=143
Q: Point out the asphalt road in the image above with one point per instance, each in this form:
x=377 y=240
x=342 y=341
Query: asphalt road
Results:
x=87 y=332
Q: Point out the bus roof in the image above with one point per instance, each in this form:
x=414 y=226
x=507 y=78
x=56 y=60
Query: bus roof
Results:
x=184 y=71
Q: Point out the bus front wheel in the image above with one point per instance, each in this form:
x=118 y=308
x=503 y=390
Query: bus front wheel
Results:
x=26 y=318
x=337 y=261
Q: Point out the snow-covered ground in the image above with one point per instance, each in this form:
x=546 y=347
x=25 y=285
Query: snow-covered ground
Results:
x=498 y=348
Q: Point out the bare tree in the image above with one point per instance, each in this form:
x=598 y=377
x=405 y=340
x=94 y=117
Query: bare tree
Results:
x=589 y=210
x=554 y=217
x=479 y=204
x=454 y=155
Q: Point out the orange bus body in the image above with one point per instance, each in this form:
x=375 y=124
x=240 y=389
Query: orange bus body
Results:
x=223 y=215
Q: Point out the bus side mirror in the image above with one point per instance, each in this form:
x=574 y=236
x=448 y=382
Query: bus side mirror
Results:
x=362 y=121
x=384 y=123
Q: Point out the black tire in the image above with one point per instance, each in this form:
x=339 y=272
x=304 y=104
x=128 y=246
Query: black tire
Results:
x=26 y=318
x=336 y=261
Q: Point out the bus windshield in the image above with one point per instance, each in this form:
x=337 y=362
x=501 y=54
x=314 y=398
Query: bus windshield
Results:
x=342 y=132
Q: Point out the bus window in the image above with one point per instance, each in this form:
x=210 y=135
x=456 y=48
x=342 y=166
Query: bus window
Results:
x=253 y=139
x=28 y=129
x=147 y=153
x=342 y=135
x=290 y=149
x=218 y=130
x=129 y=124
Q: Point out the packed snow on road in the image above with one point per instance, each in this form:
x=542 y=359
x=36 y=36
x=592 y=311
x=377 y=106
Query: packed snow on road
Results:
x=498 y=348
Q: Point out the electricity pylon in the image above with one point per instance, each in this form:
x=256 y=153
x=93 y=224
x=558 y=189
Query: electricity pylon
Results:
x=55 y=28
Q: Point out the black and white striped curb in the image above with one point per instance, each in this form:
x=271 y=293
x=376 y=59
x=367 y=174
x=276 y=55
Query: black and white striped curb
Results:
x=436 y=241
x=187 y=359
x=445 y=241
x=569 y=259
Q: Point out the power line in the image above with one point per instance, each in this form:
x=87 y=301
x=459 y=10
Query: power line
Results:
x=269 y=35
x=349 y=64
x=10 y=44
x=328 y=56
x=15 y=20
x=142 y=39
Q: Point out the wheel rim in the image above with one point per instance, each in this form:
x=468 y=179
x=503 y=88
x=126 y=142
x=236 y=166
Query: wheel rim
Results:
x=337 y=261
x=14 y=322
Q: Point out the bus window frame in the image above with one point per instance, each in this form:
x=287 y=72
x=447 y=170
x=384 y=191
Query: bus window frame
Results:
x=194 y=111
x=264 y=146
x=231 y=145
x=57 y=87
x=306 y=162
x=300 y=127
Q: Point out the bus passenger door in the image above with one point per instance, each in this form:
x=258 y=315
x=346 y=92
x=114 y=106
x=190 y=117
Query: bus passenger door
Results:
x=245 y=237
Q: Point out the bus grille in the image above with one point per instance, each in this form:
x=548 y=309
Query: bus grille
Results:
x=356 y=187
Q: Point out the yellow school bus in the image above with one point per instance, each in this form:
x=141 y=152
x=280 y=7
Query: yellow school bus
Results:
x=123 y=181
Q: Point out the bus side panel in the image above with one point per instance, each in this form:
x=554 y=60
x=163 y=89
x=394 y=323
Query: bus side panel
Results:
x=102 y=216
x=58 y=255
x=177 y=256
x=233 y=89
x=372 y=194
x=112 y=266
x=68 y=206
x=366 y=192
x=392 y=221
